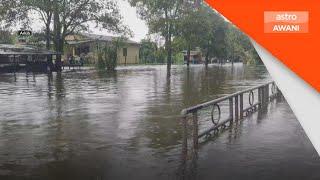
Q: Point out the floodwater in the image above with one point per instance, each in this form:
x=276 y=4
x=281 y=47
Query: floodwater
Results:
x=96 y=125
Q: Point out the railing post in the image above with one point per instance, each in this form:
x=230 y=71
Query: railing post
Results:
x=236 y=107
x=195 y=131
x=231 y=108
x=263 y=97
x=259 y=96
x=241 y=106
x=279 y=93
x=267 y=93
x=184 y=136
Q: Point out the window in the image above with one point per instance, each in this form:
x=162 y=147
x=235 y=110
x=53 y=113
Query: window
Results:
x=125 y=51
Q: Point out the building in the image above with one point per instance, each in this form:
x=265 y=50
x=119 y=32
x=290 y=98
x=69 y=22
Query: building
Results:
x=195 y=57
x=89 y=43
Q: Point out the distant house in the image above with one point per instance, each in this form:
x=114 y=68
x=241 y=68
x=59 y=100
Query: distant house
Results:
x=88 y=43
x=195 y=57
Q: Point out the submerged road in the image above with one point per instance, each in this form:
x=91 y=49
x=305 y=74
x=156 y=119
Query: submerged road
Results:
x=267 y=145
x=125 y=125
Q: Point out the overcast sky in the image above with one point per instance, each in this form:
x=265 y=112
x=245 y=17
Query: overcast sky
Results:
x=130 y=19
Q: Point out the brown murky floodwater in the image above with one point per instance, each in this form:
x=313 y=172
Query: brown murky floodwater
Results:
x=125 y=125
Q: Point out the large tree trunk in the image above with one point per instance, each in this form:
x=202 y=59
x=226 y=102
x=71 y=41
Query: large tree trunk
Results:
x=49 y=57
x=169 y=52
x=48 y=36
x=188 y=55
x=169 y=48
x=207 y=58
x=59 y=45
x=58 y=41
x=47 y=30
x=169 y=58
x=59 y=49
x=207 y=54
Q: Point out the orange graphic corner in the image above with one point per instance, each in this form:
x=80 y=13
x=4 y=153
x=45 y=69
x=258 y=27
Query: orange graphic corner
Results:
x=290 y=30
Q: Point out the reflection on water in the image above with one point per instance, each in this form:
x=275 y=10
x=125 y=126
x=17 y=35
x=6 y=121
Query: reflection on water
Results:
x=99 y=125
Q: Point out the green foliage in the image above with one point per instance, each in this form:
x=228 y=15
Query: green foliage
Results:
x=101 y=62
x=179 y=44
x=161 y=17
x=239 y=47
x=37 y=39
x=6 y=37
x=111 y=52
x=147 y=51
x=178 y=58
x=108 y=54
x=73 y=16
x=151 y=54
x=111 y=57
x=160 y=56
x=90 y=58
x=61 y=18
x=192 y=26
x=12 y=12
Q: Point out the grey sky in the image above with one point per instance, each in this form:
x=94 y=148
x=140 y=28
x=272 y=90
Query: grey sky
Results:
x=130 y=18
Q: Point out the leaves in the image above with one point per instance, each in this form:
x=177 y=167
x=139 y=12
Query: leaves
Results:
x=6 y=37
x=67 y=16
x=193 y=24
x=12 y=12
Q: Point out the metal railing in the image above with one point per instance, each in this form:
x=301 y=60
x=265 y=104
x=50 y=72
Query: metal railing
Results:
x=235 y=108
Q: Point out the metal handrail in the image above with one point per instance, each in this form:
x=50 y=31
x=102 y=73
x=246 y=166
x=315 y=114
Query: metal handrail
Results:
x=213 y=102
x=236 y=111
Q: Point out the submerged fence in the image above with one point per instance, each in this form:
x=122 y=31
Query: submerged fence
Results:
x=222 y=112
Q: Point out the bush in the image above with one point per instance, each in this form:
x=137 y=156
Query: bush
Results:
x=178 y=58
x=91 y=58
x=111 y=56
x=101 y=63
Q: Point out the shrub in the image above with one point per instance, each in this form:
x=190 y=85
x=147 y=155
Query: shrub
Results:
x=101 y=63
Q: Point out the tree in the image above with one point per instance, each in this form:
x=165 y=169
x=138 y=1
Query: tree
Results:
x=6 y=37
x=44 y=8
x=213 y=40
x=108 y=53
x=12 y=12
x=64 y=17
x=111 y=52
x=239 y=47
x=161 y=17
x=37 y=38
x=70 y=16
x=194 y=26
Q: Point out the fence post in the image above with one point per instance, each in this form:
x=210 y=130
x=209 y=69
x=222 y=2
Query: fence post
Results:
x=195 y=131
x=241 y=106
x=236 y=107
x=231 y=109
